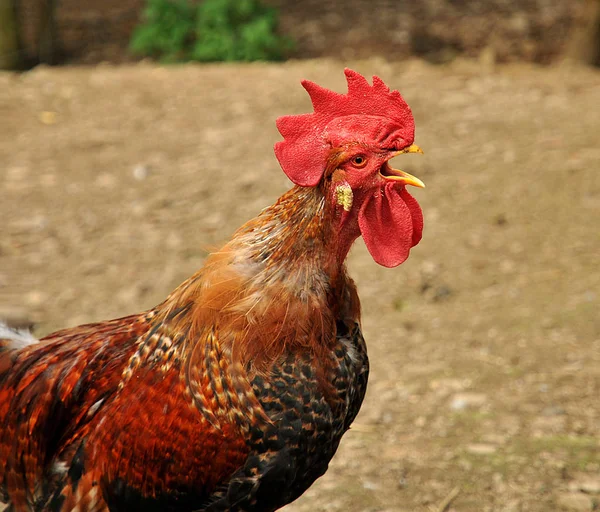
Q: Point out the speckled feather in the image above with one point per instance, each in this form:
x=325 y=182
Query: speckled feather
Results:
x=145 y=447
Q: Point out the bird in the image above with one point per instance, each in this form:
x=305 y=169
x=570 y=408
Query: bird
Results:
x=233 y=393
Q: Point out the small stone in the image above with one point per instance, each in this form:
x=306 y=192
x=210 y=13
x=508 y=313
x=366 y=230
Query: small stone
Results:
x=441 y=293
x=461 y=401
x=141 y=172
x=575 y=501
x=370 y=486
x=48 y=118
x=481 y=449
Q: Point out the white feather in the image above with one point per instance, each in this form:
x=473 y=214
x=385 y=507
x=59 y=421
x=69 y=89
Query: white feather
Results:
x=19 y=338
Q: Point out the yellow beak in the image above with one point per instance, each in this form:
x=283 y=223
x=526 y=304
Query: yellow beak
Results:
x=401 y=176
x=413 y=148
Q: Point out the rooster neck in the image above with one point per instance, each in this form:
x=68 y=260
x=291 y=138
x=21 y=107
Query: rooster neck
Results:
x=295 y=242
x=280 y=282
x=279 y=286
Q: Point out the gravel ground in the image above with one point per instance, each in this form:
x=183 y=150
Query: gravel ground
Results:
x=485 y=344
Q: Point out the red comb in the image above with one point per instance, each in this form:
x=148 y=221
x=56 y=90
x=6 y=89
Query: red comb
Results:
x=370 y=114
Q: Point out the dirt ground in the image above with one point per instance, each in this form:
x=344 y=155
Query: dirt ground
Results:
x=484 y=345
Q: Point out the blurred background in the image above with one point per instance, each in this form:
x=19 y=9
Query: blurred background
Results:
x=93 y=31
x=136 y=135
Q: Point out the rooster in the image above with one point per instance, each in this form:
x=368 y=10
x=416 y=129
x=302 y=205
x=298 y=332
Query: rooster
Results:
x=232 y=394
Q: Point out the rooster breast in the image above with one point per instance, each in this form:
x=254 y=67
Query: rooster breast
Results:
x=289 y=454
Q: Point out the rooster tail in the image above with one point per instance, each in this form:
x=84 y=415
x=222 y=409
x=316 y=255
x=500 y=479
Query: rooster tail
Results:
x=14 y=338
x=11 y=341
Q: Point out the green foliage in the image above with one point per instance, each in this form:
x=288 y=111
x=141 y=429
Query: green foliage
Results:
x=167 y=30
x=213 y=30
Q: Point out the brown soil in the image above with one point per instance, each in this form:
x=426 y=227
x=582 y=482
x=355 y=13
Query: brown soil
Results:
x=485 y=344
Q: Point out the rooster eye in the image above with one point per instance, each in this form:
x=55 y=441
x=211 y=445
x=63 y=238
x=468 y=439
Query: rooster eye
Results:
x=359 y=161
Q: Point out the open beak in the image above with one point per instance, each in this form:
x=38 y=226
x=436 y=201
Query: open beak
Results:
x=403 y=177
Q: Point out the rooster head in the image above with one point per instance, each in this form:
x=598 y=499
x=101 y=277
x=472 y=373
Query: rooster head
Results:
x=345 y=145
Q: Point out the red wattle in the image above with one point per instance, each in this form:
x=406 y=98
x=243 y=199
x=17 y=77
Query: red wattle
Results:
x=417 y=215
x=391 y=222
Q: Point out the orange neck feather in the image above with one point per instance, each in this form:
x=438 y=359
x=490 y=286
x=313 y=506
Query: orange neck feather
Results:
x=279 y=284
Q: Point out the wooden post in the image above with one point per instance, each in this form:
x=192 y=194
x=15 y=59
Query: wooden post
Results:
x=47 y=36
x=11 y=55
x=584 y=46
